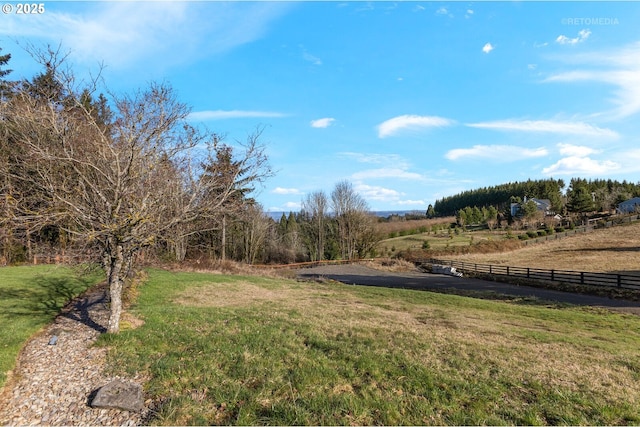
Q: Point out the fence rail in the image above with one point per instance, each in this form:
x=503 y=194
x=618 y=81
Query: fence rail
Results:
x=627 y=281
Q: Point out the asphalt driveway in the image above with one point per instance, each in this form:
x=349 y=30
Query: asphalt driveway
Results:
x=355 y=274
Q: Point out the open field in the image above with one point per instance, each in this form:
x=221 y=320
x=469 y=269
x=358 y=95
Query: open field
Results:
x=437 y=241
x=30 y=297
x=615 y=249
x=402 y=226
x=223 y=349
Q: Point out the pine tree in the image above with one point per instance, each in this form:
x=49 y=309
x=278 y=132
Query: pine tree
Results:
x=5 y=86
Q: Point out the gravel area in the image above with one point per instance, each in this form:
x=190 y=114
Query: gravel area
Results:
x=54 y=384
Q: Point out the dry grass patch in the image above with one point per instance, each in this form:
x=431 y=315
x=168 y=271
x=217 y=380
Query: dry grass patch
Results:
x=390 y=264
x=397 y=226
x=229 y=294
x=615 y=249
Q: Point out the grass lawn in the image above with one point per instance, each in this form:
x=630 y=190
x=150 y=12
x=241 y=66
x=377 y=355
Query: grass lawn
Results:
x=30 y=298
x=246 y=350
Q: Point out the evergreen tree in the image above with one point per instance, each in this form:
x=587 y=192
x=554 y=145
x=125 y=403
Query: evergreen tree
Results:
x=5 y=86
x=431 y=212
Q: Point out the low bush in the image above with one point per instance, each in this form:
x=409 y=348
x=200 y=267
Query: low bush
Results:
x=523 y=237
x=532 y=234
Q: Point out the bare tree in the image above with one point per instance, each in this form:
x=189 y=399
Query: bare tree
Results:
x=255 y=230
x=122 y=185
x=316 y=205
x=352 y=215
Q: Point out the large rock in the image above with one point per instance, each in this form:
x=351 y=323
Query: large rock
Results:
x=445 y=269
x=119 y=394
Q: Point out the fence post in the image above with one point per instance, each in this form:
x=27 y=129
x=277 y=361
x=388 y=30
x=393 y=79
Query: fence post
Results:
x=527 y=272
x=507 y=270
x=552 y=274
x=490 y=272
x=619 y=281
x=582 y=277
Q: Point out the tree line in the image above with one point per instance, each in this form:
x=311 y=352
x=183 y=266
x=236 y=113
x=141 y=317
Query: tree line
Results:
x=581 y=196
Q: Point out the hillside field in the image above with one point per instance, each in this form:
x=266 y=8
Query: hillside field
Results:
x=615 y=249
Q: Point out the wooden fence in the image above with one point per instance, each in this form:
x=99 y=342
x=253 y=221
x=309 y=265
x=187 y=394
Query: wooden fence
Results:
x=619 y=280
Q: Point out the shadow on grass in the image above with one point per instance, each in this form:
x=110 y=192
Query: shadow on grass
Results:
x=50 y=296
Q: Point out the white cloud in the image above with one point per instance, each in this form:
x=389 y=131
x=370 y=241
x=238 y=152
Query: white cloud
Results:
x=547 y=126
x=582 y=36
x=503 y=153
x=311 y=58
x=442 y=11
x=469 y=13
x=392 y=126
x=372 y=192
x=380 y=173
x=322 y=123
x=488 y=47
x=619 y=67
x=280 y=190
x=576 y=150
x=233 y=114
x=386 y=159
x=387 y=195
x=576 y=165
x=148 y=34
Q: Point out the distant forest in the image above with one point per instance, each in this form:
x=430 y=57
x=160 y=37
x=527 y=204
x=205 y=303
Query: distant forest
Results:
x=581 y=196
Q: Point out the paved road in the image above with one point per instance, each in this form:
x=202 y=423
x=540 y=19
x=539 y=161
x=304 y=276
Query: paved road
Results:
x=360 y=275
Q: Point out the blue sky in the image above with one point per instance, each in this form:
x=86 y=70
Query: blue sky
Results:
x=409 y=101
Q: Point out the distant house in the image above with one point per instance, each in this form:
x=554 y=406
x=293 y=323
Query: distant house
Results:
x=543 y=205
x=629 y=206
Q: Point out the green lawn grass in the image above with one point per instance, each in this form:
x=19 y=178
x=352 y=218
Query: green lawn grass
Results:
x=30 y=298
x=245 y=350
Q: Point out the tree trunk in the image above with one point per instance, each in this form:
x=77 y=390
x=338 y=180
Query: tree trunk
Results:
x=223 y=254
x=115 y=280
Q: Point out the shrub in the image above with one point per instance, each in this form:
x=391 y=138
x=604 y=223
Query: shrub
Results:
x=560 y=230
x=523 y=237
x=426 y=245
x=542 y=233
x=532 y=234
